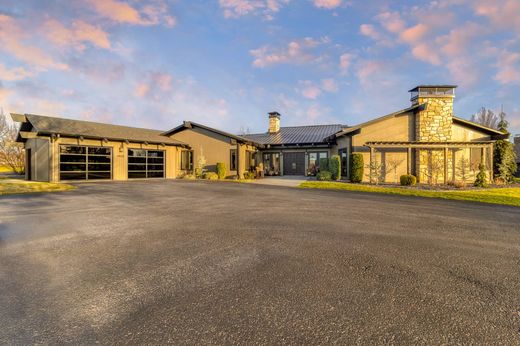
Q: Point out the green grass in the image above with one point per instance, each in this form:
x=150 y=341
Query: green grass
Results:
x=507 y=196
x=15 y=186
x=5 y=169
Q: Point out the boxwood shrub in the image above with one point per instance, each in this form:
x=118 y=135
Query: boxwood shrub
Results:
x=408 y=180
x=335 y=167
x=249 y=175
x=210 y=176
x=324 y=164
x=221 y=170
x=324 y=176
x=356 y=167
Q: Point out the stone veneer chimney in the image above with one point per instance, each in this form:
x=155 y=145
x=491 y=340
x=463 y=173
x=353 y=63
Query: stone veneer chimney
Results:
x=274 y=122
x=434 y=123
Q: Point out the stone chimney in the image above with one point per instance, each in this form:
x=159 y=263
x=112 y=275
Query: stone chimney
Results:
x=274 y=122
x=434 y=123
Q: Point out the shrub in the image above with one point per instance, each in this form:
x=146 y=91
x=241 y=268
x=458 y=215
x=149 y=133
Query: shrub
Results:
x=249 y=175
x=221 y=170
x=356 y=168
x=459 y=184
x=481 y=179
x=335 y=167
x=210 y=176
x=324 y=164
x=189 y=176
x=408 y=180
x=324 y=176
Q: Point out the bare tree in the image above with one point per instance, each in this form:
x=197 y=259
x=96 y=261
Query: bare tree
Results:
x=375 y=170
x=12 y=154
x=486 y=117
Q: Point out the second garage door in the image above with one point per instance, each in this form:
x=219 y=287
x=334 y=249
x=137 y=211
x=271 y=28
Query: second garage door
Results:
x=294 y=163
x=145 y=163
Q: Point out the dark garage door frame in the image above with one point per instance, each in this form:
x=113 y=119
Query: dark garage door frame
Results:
x=294 y=163
x=85 y=162
x=143 y=165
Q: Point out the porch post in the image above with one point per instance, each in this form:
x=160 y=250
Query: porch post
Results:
x=445 y=165
x=490 y=153
x=409 y=161
x=371 y=163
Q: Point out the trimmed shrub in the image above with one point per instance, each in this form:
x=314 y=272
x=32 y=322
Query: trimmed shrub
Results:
x=356 y=167
x=210 y=176
x=324 y=164
x=481 y=179
x=221 y=170
x=249 y=175
x=324 y=176
x=189 y=177
x=408 y=180
x=335 y=167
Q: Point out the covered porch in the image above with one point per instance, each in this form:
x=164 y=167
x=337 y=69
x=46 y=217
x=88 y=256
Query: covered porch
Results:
x=434 y=161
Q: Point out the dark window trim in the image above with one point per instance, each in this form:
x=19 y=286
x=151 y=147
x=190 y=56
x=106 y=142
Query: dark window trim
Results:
x=189 y=164
x=233 y=161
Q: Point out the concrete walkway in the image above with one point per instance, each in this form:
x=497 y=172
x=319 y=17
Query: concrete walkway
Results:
x=286 y=180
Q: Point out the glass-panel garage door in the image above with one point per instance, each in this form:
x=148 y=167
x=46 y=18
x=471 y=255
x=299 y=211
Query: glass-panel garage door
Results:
x=85 y=162
x=145 y=163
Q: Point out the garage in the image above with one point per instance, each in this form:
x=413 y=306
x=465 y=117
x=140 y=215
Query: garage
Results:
x=294 y=163
x=144 y=163
x=85 y=162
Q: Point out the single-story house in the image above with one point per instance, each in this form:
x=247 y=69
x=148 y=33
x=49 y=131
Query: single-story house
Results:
x=517 y=151
x=425 y=139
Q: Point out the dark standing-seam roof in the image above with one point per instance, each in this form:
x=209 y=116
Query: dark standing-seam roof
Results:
x=297 y=134
x=75 y=128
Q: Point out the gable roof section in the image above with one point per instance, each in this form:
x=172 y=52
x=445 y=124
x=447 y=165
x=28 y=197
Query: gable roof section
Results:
x=488 y=130
x=189 y=125
x=374 y=121
x=297 y=135
x=45 y=125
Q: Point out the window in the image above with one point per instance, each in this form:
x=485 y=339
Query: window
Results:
x=144 y=163
x=475 y=158
x=85 y=162
x=250 y=161
x=187 y=160
x=233 y=160
x=314 y=161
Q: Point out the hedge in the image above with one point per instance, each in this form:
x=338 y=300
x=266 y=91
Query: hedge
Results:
x=210 y=176
x=324 y=164
x=356 y=167
x=335 y=167
x=324 y=176
x=221 y=170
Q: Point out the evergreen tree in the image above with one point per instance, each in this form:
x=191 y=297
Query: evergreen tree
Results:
x=504 y=160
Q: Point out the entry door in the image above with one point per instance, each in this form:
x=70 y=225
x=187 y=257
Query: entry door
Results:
x=343 y=154
x=294 y=163
x=28 y=165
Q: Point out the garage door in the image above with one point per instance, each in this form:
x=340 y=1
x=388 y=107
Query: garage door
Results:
x=85 y=162
x=145 y=163
x=294 y=163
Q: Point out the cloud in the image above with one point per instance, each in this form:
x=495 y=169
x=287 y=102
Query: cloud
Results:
x=328 y=4
x=76 y=36
x=309 y=90
x=151 y=13
x=13 y=41
x=345 y=61
x=14 y=74
x=370 y=31
x=329 y=85
x=239 y=8
x=296 y=52
x=503 y=14
x=508 y=68
x=391 y=21
x=155 y=85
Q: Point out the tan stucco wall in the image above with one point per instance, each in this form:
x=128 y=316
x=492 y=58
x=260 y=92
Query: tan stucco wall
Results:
x=463 y=133
x=399 y=128
x=214 y=147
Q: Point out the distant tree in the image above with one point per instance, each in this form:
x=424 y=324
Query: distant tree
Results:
x=12 y=154
x=486 y=117
x=504 y=160
x=244 y=131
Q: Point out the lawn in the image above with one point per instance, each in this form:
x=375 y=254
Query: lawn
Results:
x=507 y=196
x=5 y=169
x=15 y=186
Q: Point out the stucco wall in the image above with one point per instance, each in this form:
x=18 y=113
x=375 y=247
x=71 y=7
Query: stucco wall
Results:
x=39 y=159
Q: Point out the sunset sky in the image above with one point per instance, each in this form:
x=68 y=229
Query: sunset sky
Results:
x=155 y=63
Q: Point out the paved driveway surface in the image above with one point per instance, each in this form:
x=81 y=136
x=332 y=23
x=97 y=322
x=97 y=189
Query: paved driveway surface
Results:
x=213 y=263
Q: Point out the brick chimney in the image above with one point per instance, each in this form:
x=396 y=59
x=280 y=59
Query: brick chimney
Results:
x=274 y=122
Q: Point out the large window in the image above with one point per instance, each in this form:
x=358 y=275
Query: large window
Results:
x=314 y=161
x=233 y=160
x=187 y=160
x=145 y=163
x=85 y=162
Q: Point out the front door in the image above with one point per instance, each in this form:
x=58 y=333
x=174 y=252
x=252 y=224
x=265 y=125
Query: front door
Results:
x=294 y=163
x=343 y=154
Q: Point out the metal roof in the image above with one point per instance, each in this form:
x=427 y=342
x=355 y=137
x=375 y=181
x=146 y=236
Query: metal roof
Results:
x=297 y=135
x=45 y=125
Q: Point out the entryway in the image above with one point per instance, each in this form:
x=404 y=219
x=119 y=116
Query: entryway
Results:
x=294 y=163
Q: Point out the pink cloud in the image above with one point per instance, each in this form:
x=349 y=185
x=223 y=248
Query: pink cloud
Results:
x=508 y=68
x=329 y=85
x=328 y=4
x=155 y=85
x=415 y=33
x=13 y=39
x=370 y=31
x=152 y=13
x=391 y=21
x=14 y=74
x=345 y=61
x=77 y=35
x=504 y=14
x=427 y=53
x=309 y=90
x=296 y=52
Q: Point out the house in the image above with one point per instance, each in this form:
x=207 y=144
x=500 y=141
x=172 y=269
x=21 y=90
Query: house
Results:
x=424 y=139
x=517 y=151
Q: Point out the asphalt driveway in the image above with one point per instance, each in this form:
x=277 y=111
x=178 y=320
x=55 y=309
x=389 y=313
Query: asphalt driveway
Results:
x=224 y=263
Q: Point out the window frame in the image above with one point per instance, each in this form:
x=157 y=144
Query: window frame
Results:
x=233 y=162
x=186 y=166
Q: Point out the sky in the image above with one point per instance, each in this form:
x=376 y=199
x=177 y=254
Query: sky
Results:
x=227 y=63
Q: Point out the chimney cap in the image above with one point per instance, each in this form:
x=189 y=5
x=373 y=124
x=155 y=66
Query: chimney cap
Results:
x=274 y=114
x=434 y=86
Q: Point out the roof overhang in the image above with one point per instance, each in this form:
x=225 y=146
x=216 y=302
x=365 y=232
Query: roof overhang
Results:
x=496 y=134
